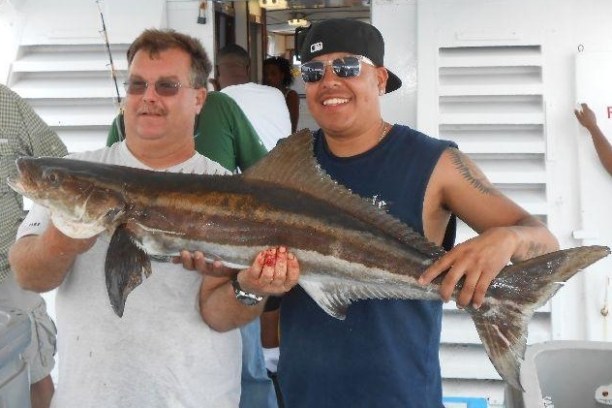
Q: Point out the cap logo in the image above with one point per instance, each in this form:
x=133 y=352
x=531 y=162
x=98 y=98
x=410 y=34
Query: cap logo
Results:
x=318 y=46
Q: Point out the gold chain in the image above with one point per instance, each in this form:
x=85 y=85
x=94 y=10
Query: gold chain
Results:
x=385 y=129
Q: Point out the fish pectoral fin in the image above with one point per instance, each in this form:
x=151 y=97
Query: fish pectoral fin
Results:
x=125 y=264
x=328 y=296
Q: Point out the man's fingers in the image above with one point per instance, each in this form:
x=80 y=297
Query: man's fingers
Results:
x=437 y=268
x=293 y=271
x=467 y=291
x=280 y=269
x=481 y=289
x=186 y=259
x=269 y=267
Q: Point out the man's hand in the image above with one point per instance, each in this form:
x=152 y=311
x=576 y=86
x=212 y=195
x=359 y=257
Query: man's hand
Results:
x=65 y=245
x=273 y=272
x=478 y=260
x=196 y=261
x=586 y=117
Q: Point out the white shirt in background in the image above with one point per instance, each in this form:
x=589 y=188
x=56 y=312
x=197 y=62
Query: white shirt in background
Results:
x=266 y=109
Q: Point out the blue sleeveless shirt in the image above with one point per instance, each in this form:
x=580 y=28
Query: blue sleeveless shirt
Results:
x=385 y=354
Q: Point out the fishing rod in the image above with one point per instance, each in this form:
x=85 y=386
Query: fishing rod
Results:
x=110 y=55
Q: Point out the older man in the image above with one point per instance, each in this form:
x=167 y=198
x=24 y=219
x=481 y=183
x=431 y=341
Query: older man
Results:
x=177 y=344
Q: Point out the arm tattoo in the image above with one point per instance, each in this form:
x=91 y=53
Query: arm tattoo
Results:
x=471 y=173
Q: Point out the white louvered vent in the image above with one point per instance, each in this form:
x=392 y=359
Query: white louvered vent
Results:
x=70 y=87
x=491 y=102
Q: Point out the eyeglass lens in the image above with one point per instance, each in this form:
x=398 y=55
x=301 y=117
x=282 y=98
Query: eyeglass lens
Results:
x=346 y=67
x=163 y=87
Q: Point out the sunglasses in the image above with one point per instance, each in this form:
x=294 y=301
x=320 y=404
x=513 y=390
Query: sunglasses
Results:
x=163 y=87
x=344 y=67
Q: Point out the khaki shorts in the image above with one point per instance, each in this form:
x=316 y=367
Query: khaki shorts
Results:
x=39 y=354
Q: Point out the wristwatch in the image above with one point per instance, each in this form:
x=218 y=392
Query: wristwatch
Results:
x=246 y=298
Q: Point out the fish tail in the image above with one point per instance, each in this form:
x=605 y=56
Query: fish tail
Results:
x=515 y=295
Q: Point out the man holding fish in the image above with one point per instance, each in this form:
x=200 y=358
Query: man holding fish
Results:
x=160 y=353
x=385 y=354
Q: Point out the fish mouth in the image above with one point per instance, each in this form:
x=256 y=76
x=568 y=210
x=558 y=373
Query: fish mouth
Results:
x=15 y=184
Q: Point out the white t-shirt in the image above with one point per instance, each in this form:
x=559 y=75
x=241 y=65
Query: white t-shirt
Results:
x=266 y=109
x=160 y=353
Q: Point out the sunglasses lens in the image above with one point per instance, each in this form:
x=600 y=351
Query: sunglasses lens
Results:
x=346 y=67
x=312 y=71
x=162 y=87
x=135 y=87
x=167 y=88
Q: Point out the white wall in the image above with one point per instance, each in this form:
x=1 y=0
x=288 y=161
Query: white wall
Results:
x=397 y=21
x=11 y=24
x=182 y=16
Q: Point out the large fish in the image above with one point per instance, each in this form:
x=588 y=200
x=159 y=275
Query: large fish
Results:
x=348 y=249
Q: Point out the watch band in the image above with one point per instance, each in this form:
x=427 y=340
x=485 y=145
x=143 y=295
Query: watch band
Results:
x=246 y=298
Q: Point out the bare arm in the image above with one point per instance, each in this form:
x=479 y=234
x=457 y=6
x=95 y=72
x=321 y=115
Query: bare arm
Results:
x=586 y=117
x=507 y=232
x=293 y=104
x=273 y=272
x=40 y=262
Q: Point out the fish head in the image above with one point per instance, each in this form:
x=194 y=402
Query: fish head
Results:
x=82 y=203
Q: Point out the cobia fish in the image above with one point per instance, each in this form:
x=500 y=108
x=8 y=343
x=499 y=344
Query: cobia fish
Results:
x=348 y=249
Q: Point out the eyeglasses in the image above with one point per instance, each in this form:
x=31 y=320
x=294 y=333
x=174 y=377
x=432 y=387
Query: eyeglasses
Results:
x=163 y=87
x=344 y=67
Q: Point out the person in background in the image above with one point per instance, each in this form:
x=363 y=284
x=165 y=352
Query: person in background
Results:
x=23 y=133
x=586 y=117
x=264 y=105
x=177 y=344
x=222 y=133
x=277 y=73
x=386 y=352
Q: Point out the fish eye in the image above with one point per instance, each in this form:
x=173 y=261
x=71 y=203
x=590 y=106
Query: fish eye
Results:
x=53 y=177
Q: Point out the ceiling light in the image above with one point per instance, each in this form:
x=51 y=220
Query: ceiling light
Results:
x=273 y=4
x=298 y=20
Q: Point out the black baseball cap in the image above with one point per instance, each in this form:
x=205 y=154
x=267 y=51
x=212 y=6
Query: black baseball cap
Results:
x=343 y=35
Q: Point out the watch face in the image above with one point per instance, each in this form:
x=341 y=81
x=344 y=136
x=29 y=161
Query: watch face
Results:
x=246 y=298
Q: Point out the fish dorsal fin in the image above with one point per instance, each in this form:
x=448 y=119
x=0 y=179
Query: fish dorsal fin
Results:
x=292 y=164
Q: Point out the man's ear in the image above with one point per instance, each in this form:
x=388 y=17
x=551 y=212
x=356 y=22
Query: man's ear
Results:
x=382 y=77
x=201 y=94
